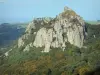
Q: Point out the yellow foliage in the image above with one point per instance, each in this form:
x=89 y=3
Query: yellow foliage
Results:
x=68 y=13
x=83 y=70
x=59 y=55
x=46 y=61
x=64 y=73
x=30 y=66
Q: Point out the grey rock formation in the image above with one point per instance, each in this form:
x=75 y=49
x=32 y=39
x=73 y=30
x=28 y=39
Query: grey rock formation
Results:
x=7 y=53
x=21 y=40
x=30 y=27
x=66 y=27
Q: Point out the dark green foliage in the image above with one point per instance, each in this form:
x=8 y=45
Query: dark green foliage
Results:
x=56 y=62
x=93 y=32
x=71 y=61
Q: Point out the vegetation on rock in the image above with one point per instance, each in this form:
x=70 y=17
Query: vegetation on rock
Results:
x=70 y=61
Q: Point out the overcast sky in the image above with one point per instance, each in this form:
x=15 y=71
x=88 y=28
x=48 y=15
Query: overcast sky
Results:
x=26 y=10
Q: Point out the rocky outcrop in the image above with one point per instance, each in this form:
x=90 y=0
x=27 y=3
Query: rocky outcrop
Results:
x=54 y=33
x=21 y=40
x=7 y=53
x=27 y=48
x=30 y=27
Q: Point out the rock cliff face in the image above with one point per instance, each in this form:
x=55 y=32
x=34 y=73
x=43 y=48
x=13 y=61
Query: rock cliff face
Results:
x=54 y=32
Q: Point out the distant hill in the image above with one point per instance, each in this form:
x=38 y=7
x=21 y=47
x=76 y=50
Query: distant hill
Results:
x=93 y=22
x=9 y=32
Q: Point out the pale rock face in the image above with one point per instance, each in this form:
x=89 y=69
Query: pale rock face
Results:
x=40 y=38
x=31 y=44
x=68 y=27
x=66 y=8
x=27 y=48
x=30 y=27
x=63 y=31
x=7 y=53
x=76 y=36
x=34 y=33
x=47 y=19
x=43 y=39
x=20 y=42
x=28 y=31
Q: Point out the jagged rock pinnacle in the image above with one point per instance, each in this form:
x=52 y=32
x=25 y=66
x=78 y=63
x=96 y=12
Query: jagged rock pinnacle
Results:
x=55 y=33
x=66 y=8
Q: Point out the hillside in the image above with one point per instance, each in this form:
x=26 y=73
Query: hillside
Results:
x=93 y=22
x=64 y=45
x=10 y=32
